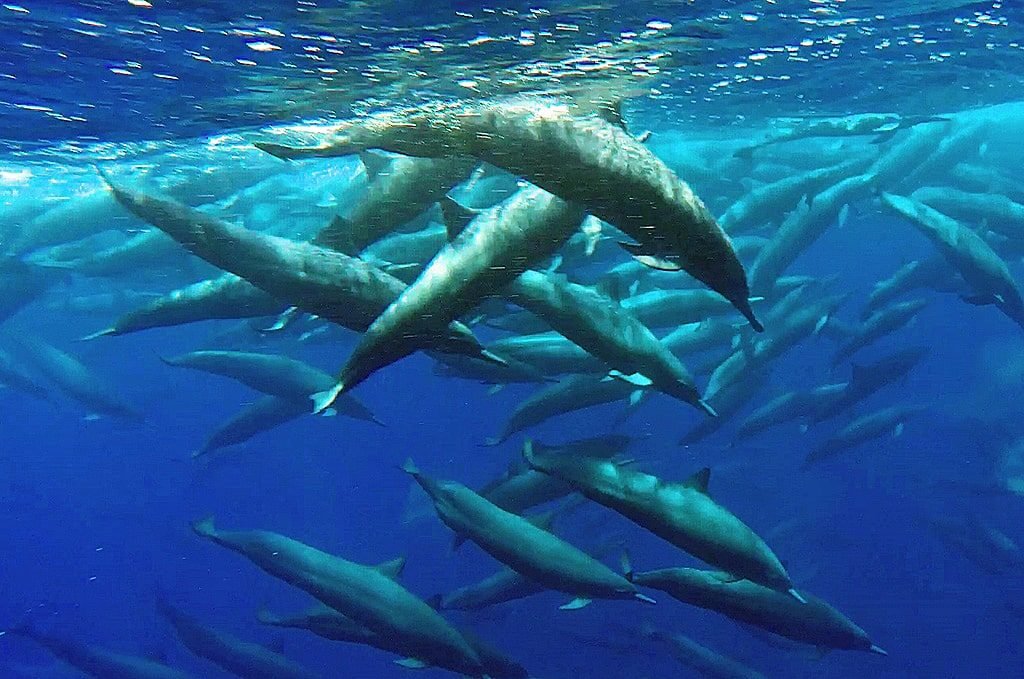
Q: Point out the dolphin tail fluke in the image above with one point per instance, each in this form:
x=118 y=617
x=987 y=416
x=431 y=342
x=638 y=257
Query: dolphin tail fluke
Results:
x=204 y=528
x=322 y=400
x=265 y=617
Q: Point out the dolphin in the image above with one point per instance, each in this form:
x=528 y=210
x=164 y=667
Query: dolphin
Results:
x=814 y=622
x=967 y=252
x=401 y=189
x=879 y=324
x=582 y=159
x=682 y=514
x=880 y=125
x=271 y=374
x=864 y=428
x=523 y=489
x=368 y=595
x=224 y=297
x=323 y=282
x=933 y=273
x=609 y=332
x=789 y=406
x=869 y=378
x=262 y=415
x=96 y=661
x=573 y=393
x=77 y=381
x=496 y=247
x=524 y=547
x=244 y=658
x=706 y=662
x=327 y=623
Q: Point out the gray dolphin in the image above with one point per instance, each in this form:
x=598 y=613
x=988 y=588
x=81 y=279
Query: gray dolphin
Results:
x=368 y=595
x=244 y=658
x=526 y=548
x=682 y=514
x=814 y=622
x=96 y=661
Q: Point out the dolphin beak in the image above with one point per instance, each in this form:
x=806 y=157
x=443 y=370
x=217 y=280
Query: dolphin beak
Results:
x=878 y=650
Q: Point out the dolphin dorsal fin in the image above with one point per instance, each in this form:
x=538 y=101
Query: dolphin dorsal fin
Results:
x=611 y=112
x=456 y=216
x=373 y=163
x=392 y=568
x=699 y=481
x=545 y=521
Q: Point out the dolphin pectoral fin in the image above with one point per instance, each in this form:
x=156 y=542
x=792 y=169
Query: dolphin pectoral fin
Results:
x=644 y=136
x=980 y=300
x=635 y=396
x=99 y=333
x=458 y=541
x=412 y=663
x=282 y=319
x=575 y=604
x=491 y=357
x=657 y=263
x=322 y=400
x=494 y=389
x=897 y=431
x=636 y=379
x=330 y=412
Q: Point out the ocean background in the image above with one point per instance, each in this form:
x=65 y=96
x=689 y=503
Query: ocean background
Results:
x=96 y=512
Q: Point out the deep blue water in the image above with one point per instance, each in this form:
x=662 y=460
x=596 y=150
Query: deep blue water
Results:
x=96 y=512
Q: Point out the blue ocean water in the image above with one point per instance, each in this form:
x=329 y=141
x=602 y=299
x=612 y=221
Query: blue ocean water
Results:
x=914 y=534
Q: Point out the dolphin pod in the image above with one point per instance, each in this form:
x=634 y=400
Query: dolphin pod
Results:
x=582 y=159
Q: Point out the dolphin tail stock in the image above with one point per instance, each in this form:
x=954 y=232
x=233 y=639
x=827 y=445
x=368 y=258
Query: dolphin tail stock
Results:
x=205 y=528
